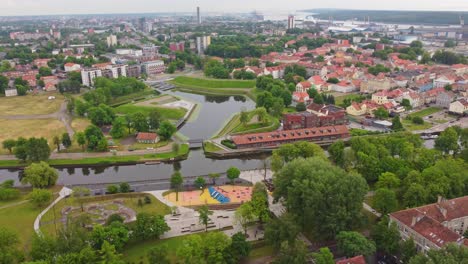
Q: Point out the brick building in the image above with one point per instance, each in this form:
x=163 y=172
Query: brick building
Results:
x=317 y=115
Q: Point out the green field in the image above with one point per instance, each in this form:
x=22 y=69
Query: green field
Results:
x=166 y=113
x=210 y=147
x=425 y=112
x=408 y=124
x=183 y=151
x=234 y=126
x=148 y=92
x=212 y=83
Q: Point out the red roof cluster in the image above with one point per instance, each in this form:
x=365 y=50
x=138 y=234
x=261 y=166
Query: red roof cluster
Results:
x=147 y=136
x=354 y=260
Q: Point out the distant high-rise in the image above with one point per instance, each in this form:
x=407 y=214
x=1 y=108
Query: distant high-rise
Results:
x=198 y=15
x=291 y=21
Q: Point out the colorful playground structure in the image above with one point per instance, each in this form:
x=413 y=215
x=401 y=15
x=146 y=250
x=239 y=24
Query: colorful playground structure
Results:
x=212 y=195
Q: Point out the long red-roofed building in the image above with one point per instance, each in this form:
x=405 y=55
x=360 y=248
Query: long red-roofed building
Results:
x=319 y=135
x=354 y=260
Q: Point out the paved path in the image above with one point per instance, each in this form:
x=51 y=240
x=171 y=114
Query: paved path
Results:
x=13 y=204
x=62 y=194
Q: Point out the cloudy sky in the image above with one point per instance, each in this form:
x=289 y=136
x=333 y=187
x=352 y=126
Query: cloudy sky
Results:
x=45 y=7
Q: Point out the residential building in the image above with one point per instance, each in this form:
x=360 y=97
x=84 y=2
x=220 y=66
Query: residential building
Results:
x=459 y=107
x=50 y=83
x=11 y=92
x=415 y=99
x=31 y=79
x=88 y=75
x=444 y=99
x=111 y=41
x=71 y=67
x=375 y=84
x=147 y=138
x=129 y=52
x=150 y=50
x=153 y=67
x=364 y=108
x=317 y=115
x=435 y=225
x=177 y=46
x=303 y=87
x=343 y=87
x=41 y=63
x=354 y=260
x=134 y=71
x=115 y=71
x=300 y=97
x=319 y=135
x=203 y=43
x=291 y=22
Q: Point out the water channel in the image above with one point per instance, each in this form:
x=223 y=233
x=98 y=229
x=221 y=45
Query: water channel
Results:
x=211 y=114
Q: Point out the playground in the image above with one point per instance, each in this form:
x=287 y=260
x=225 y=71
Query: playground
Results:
x=213 y=195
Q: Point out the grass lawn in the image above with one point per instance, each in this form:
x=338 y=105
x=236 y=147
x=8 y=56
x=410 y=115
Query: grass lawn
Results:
x=160 y=144
x=136 y=253
x=210 y=147
x=219 y=91
x=339 y=99
x=166 y=113
x=261 y=252
x=130 y=200
x=184 y=150
x=411 y=126
x=425 y=112
x=13 y=129
x=234 y=125
x=30 y=104
x=134 y=96
x=212 y=83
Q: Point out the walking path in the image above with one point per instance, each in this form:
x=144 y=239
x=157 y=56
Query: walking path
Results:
x=62 y=194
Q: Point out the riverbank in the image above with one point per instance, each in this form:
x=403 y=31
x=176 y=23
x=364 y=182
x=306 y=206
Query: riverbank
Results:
x=213 y=83
x=110 y=159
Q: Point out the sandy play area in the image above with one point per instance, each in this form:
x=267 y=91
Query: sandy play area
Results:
x=236 y=194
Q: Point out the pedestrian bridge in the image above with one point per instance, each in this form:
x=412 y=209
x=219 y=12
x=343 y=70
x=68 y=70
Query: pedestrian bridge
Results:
x=195 y=143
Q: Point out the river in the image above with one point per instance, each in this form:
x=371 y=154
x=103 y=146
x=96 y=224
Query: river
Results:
x=212 y=112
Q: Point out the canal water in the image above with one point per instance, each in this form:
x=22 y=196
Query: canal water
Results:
x=212 y=113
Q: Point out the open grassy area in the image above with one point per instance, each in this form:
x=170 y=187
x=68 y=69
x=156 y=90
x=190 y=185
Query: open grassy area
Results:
x=183 y=151
x=408 y=124
x=13 y=129
x=160 y=144
x=425 y=112
x=210 y=147
x=147 y=93
x=30 y=104
x=234 y=125
x=212 y=83
x=219 y=91
x=261 y=251
x=340 y=99
x=166 y=113
x=130 y=200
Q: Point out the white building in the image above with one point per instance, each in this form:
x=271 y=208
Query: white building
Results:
x=117 y=71
x=88 y=76
x=153 y=67
x=459 y=106
x=132 y=52
x=203 y=43
x=71 y=67
x=111 y=40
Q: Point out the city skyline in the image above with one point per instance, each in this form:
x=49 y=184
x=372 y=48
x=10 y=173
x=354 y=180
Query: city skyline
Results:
x=54 y=7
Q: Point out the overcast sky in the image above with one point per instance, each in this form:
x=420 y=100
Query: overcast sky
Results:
x=47 y=7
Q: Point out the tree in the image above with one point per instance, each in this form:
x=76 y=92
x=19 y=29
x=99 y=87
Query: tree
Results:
x=276 y=109
x=381 y=113
x=259 y=201
x=9 y=144
x=388 y=180
x=407 y=250
x=81 y=139
x=288 y=152
x=239 y=248
x=166 y=130
x=109 y=254
x=204 y=216
x=336 y=151
x=176 y=183
x=124 y=187
x=40 y=175
x=354 y=244
x=140 y=122
x=45 y=71
x=262 y=115
x=9 y=242
x=115 y=233
x=192 y=250
x=66 y=141
x=245 y=215
x=232 y=174
x=79 y=193
x=324 y=256
x=300 y=107
x=3 y=84
x=154 y=119
x=452 y=253
x=112 y=189
x=22 y=90
x=387 y=238
x=159 y=255
x=214 y=176
x=200 y=182
x=292 y=253
x=324 y=198
x=450 y=43
x=244 y=118
x=415 y=195
x=57 y=142
x=385 y=201
x=40 y=197
x=93 y=136
x=447 y=141
x=118 y=128
x=396 y=124
x=333 y=80
x=149 y=226
x=417 y=120
x=284 y=228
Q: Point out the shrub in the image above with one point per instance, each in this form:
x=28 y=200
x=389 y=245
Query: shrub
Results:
x=228 y=143
x=124 y=187
x=7 y=194
x=112 y=189
x=41 y=197
x=114 y=218
x=417 y=120
x=147 y=200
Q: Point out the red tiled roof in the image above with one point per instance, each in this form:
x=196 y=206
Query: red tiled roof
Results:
x=306 y=84
x=354 y=260
x=298 y=134
x=146 y=136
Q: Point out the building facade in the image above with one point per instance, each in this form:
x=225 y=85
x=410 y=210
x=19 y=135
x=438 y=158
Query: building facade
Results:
x=153 y=67
x=88 y=76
